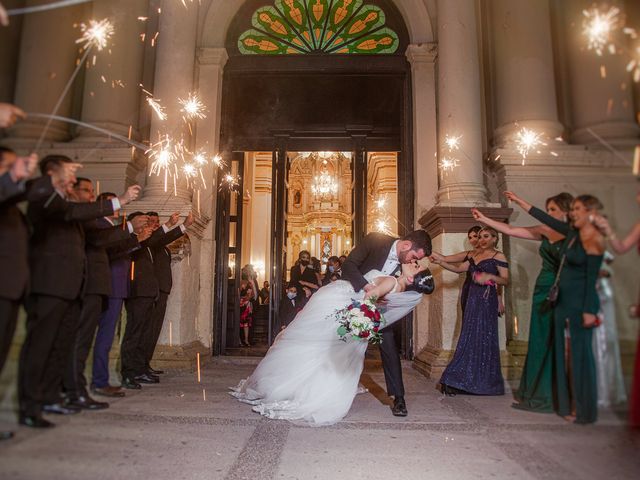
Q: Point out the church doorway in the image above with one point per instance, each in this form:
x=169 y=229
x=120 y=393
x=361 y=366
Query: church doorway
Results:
x=320 y=139
x=324 y=211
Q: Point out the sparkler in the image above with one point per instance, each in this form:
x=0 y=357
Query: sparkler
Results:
x=192 y=107
x=163 y=156
x=156 y=107
x=230 y=181
x=452 y=143
x=72 y=121
x=526 y=141
x=217 y=161
x=43 y=8
x=96 y=34
x=599 y=26
x=447 y=164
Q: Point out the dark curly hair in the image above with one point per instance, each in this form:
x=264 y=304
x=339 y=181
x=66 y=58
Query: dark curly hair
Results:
x=423 y=283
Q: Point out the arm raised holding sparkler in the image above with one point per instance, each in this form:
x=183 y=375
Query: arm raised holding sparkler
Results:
x=9 y=113
x=4 y=17
x=559 y=226
x=619 y=246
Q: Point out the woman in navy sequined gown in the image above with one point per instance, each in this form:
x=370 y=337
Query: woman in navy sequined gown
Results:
x=475 y=367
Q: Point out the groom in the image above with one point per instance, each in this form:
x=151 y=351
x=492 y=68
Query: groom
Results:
x=382 y=252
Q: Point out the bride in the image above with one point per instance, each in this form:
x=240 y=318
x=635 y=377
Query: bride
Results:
x=309 y=376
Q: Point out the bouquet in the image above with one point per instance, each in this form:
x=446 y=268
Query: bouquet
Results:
x=360 y=321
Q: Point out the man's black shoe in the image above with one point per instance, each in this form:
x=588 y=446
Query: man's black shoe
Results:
x=87 y=403
x=131 y=384
x=35 y=422
x=60 y=409
x=146 y=378
x=399 y=408
x=153 y=371
x=6 y=435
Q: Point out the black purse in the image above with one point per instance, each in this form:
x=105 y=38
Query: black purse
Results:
x=554 y=291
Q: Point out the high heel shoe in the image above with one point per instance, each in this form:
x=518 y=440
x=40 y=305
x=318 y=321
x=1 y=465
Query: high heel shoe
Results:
x=447 y=390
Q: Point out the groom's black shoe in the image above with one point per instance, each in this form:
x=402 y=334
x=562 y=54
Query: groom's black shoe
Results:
x=399 y=408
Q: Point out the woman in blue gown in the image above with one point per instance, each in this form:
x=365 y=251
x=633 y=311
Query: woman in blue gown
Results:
x=475 y=367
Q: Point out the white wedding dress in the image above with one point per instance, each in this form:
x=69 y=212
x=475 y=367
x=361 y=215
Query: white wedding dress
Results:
x=309 y=376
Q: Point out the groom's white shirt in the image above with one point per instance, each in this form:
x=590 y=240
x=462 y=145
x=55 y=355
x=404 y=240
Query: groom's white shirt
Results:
x=392 y=260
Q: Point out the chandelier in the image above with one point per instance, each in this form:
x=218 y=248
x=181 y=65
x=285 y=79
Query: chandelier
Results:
x=324 y=186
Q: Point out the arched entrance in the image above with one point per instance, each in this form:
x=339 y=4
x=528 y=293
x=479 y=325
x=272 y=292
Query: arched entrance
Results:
x=304 y=77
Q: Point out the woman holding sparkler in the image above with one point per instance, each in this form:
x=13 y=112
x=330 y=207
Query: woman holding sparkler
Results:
x=576 y=307
x=475 y=367
x=460 y=257
x=623 y=246
x=534 y=392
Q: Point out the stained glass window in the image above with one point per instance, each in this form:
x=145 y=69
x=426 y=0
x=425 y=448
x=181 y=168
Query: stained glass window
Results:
x=318 y=26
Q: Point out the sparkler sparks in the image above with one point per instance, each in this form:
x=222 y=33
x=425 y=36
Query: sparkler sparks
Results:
x=526 y=141
x=157 y=107
x=232 y=182
x=192 y=107
x=163 y=157
x=217 y=161
x=452 y=143
x=447 y=164
x=599 y=26
x=96 y=34
x=634 y=66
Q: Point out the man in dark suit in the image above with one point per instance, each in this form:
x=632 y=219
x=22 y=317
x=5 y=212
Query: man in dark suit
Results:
x=119 y=269
x=162 y=268
x=145 y=290
x=14 y=240
x=100 y=235
x=384 y=253
x=57 y=260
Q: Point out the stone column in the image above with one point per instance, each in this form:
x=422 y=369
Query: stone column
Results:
x=9 y=50
x=111 y=91
x=524 y=86
x=425 y=142
x=599 y=87
x=459 y=101
x=48 y=55
x=174 y=74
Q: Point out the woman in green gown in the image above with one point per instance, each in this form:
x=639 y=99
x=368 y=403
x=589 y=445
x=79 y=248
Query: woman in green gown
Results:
x=575 y=313
x=534 y=392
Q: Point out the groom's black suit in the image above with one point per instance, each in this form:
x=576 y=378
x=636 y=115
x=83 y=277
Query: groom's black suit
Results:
x=371 y=254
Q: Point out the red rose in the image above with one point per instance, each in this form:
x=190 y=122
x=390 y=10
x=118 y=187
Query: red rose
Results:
x=377 y=314
x=375 y=329
x=364 y=334
x=350 y=307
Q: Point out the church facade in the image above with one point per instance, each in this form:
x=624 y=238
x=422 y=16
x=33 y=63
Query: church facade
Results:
x=423 y=102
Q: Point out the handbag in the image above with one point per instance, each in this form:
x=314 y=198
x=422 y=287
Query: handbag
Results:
x=554 y=291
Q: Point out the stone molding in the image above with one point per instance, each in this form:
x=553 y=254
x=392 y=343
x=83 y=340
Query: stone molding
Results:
x=418 y=54
x=212 y=56
x=441 y=219
x=574 y=163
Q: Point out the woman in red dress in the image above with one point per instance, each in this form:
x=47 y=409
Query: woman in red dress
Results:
x=622 y=246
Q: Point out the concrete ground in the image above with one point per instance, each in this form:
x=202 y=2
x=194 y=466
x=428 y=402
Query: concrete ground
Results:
x=182 y=429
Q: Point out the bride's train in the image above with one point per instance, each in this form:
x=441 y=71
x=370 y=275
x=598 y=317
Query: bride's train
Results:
x=309 y=376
